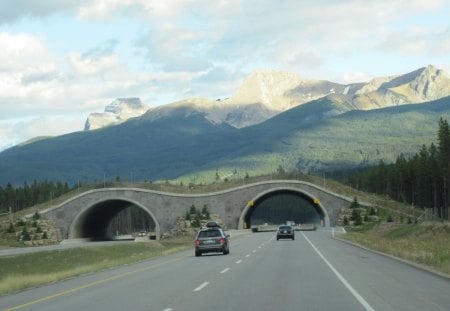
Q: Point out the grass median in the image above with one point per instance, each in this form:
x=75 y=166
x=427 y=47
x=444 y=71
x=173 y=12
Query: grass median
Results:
x=34 y=269
x=427 y=244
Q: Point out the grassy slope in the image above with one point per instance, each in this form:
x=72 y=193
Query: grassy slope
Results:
x=34 y=269
x=427 y=244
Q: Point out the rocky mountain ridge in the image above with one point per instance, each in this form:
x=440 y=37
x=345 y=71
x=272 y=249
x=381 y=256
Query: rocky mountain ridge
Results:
x=184 y=145
x=265 y=93
x=120 y=110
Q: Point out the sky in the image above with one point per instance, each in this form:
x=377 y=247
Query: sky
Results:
x=62 y=60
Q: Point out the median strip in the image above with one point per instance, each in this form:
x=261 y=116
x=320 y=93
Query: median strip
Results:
x=76 y=289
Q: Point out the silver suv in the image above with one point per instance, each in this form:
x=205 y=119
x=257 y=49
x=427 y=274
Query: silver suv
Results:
x=212 y=240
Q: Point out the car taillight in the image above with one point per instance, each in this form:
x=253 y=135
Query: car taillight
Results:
x=221 y=240
x=197 y=242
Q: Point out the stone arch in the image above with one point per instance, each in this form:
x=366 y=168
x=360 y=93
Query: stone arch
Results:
x=92 y=222
x=247 y=210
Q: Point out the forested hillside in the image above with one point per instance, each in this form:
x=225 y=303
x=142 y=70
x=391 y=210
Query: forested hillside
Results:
x=421 y=180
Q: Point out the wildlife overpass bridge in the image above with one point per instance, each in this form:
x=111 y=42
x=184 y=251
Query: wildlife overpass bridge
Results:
x=88 y=214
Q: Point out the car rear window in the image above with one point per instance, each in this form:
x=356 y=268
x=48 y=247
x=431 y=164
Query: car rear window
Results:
x=285 y=227
x=209 y=234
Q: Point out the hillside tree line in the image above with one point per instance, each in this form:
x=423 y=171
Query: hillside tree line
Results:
x=26 y=195
x=422 y=180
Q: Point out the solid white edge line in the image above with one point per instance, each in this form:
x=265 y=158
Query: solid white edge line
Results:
x=201 y=287
x=358 y=297
x=225 y=270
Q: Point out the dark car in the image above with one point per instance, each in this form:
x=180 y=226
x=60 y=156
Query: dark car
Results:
x=212 y=224
x=211 y=240
x=285 y=232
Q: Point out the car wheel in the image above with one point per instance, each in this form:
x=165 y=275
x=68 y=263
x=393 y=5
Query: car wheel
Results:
x=293 y=238
x=197 y=254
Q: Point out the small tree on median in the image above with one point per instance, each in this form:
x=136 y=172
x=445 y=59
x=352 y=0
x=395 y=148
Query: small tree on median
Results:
x=205 y=212
x=355 y=203
x=36 y=216
x=356 y=217
x=25 y=235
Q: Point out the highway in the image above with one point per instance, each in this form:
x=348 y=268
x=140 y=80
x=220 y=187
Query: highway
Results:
x=314 y=272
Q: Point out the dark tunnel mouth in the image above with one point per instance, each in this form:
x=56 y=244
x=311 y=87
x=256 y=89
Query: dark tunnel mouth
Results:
x=247 y=217
x=93 y=222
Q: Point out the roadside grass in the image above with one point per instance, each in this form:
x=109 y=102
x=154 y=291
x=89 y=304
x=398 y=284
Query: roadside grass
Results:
x=35 y=269
x=426 y=244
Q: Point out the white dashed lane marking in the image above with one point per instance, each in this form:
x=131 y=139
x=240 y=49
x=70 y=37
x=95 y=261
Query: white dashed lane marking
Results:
x=201 y=287
x=225 y=270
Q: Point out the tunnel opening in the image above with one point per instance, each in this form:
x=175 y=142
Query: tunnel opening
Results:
x=113 y=220
x=279 y=207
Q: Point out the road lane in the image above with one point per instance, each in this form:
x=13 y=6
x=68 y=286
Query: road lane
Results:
x=280 y=276
x=259 y=274
x=141 y=283
x=386 y=283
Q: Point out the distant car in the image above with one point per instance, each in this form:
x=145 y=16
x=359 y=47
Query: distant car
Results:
x=285 y=232
x=142 y=233
x=211 y=240
x=212 y=224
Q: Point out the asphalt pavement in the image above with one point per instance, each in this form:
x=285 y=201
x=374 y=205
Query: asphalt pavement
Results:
x=314 y=272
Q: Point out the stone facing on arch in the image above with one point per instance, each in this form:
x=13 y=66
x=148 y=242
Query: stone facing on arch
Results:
x=231 y=205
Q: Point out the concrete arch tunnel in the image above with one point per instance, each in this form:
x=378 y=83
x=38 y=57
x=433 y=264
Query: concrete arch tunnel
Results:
x=94 y=221
x=313 y=211
x=87 y=214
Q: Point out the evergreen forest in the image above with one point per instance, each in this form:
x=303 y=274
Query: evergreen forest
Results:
x=421 y=180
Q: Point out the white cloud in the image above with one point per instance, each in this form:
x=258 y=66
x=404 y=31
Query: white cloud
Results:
x=354 y=77
x=105 y=9
x=16 y=131
x=203 y=47
x=20 y=51
x=35 y=82
x=87 y=66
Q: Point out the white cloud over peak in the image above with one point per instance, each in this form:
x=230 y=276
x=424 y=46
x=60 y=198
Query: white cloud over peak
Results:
x=21 y=51
x=162 y=51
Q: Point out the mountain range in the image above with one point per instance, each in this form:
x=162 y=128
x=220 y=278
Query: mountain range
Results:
x=273 y=119
x=266 y=93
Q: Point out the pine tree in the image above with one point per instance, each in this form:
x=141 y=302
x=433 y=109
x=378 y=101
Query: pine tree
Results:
x=355 y=203
x=444 y=157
